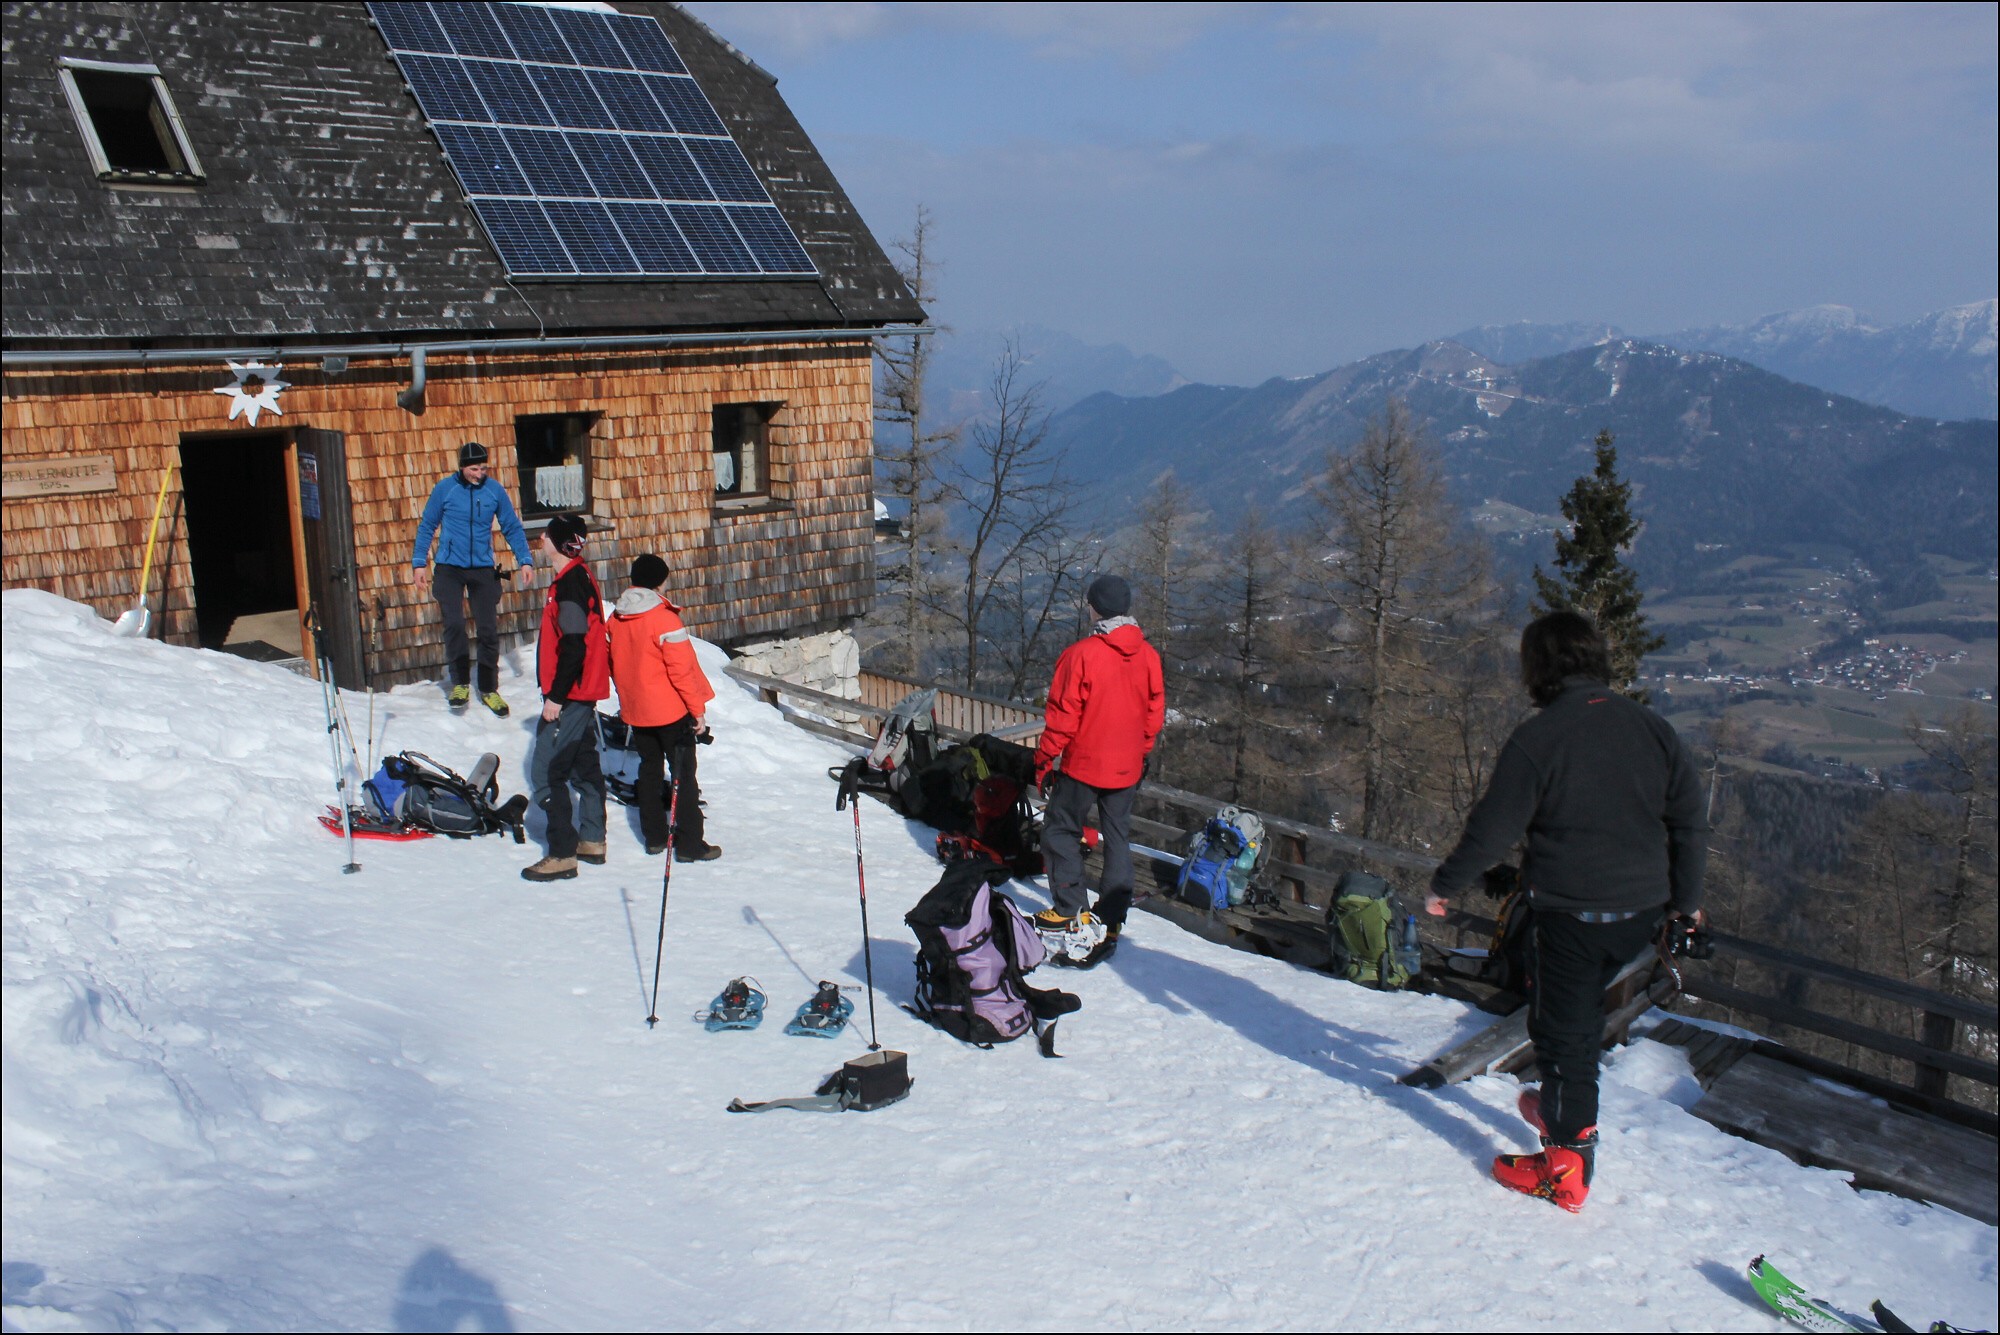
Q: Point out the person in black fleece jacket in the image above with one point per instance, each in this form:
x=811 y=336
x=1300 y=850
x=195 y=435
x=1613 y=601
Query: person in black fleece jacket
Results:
x=1609 y=802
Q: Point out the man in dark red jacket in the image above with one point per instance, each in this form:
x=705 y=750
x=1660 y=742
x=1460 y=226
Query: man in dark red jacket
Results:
x=573 y=663
x=1106 y=704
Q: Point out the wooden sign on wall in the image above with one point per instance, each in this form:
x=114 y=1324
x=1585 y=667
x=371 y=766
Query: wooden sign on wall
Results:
x=58 y=477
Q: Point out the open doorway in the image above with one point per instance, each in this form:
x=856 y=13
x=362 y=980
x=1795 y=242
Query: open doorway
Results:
x=242 y=544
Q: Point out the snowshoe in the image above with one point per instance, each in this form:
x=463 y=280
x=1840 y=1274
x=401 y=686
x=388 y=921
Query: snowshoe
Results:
x=367 y=825
x=738 y=1006
x=824 y=1015
x=1081 y=942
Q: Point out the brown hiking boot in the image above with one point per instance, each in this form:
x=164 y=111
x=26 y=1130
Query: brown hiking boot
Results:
x=707 y=853
x=591 y=852
x=550 y=869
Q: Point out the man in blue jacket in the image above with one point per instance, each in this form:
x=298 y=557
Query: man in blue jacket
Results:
x=460 y=514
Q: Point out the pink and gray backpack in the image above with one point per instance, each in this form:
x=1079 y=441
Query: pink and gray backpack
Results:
x=974 y=950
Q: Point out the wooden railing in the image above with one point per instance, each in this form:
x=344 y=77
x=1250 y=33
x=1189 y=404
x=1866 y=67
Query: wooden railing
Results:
x=960 y=711
x=1307 y=862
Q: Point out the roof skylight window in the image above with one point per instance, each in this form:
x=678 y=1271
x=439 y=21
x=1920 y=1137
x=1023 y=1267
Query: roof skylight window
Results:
x=129 y=124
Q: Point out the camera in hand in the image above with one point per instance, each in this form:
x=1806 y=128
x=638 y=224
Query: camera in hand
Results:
x=1691 y=940
x=1501 y=881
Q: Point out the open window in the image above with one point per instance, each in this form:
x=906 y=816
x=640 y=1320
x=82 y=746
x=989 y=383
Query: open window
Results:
x=552 y=451
x=129 y=124
x=741 y=446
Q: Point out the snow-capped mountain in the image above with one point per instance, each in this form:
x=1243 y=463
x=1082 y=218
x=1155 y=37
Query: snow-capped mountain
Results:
x=1941 y=365
x=1526 y=341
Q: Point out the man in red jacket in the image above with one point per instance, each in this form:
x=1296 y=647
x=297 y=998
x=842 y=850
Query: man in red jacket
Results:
x=1106 y=704
x=662 y=693
x=573 y=664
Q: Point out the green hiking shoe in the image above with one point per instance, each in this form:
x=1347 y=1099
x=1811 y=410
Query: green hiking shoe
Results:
x=493 y=702
x=459 y=696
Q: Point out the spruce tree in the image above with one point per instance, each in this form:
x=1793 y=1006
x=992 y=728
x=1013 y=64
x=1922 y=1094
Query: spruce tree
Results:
x=1591 y=574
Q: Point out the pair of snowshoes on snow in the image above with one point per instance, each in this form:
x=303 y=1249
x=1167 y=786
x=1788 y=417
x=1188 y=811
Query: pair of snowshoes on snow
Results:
x=740 y=1005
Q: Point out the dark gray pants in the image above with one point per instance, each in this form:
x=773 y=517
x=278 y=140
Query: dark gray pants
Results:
x=1069 y=806
x=565 y=755
x=451 y=585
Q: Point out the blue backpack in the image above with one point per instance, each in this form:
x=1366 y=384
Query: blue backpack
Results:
x=1222 y=860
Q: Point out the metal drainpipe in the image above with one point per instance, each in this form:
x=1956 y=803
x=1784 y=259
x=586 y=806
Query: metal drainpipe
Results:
x=147 y=356
x=411 y=400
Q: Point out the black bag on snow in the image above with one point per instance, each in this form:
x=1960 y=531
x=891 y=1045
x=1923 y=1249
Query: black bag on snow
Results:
x=974 y=950
x=443 y=801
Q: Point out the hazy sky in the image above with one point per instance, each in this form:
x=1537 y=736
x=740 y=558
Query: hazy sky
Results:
x=1257 y=190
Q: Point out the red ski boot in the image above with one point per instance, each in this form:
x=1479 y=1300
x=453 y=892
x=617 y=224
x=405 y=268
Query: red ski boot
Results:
x=1529 y=1105
x=1560 y=1174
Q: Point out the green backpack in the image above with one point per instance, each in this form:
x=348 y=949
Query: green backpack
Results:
x=1366 y=935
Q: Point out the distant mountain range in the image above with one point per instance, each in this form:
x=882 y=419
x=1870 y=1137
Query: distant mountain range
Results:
x=1945 y=364
x=1721 y=453
x=1067 y=369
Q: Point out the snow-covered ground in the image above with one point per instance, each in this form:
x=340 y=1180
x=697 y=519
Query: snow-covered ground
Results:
x=243 y=1090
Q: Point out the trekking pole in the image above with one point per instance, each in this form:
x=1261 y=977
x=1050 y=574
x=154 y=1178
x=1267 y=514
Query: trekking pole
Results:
x=326 y=687
x=850 y=791
x=666 y=880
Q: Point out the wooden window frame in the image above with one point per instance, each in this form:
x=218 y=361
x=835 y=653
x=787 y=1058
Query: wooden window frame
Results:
x=725 y=424
x=531 y=509
x=165 y=115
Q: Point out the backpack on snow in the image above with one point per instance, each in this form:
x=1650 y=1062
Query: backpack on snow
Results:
x=414 y=790
x=1366 y=936
x=974 y=950
x=1223 y=858
x=908 y=735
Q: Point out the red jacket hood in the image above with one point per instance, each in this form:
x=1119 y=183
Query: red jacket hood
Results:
x=1127 y=639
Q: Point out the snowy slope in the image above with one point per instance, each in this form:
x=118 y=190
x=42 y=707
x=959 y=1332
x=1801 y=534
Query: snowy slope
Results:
x=243 y=1090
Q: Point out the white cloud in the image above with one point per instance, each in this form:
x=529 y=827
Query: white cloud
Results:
x=1135 y=33
x=1742 y=82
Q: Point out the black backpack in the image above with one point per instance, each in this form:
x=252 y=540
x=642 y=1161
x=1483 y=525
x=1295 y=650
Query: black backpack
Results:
x=439 y=799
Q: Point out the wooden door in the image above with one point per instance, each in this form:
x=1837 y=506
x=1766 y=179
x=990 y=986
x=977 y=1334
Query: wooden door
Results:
x=326 y=530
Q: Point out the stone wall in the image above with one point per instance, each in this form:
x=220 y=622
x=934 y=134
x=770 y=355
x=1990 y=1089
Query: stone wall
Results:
x=829 y=662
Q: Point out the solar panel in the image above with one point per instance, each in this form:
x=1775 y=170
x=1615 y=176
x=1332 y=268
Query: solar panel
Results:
x=611 y=166
x=409 y=27
x=583 y=144
x=508 y=93
x=484 y=162
x=685 y=106
x=728 y=174
x=523 y=236
x=656 y=243
x=715 y=242
x=532 y=32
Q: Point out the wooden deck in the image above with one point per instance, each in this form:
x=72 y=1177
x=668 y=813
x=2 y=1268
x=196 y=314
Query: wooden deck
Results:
x=1757 y=1093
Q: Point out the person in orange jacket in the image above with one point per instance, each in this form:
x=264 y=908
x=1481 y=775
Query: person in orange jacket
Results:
x=662 y=693
x=1107 y=702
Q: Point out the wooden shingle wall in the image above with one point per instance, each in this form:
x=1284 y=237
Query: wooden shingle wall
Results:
x=802 y=562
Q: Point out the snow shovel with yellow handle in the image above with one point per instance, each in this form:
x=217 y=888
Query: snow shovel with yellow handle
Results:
x=133 y=624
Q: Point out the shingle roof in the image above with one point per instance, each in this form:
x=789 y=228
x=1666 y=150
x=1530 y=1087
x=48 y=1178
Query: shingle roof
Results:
x=328 y=209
